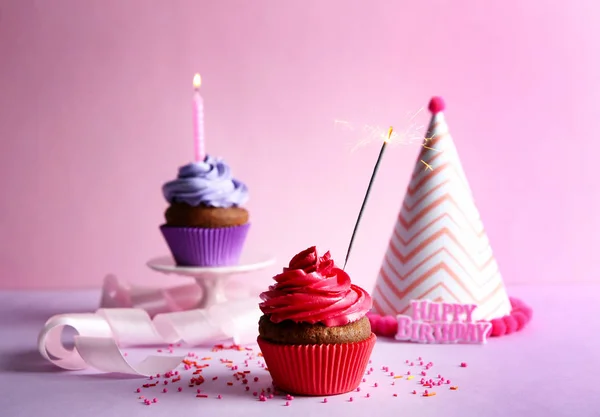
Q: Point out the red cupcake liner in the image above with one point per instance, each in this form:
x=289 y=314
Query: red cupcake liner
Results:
x=327 y=369
x=195 y=246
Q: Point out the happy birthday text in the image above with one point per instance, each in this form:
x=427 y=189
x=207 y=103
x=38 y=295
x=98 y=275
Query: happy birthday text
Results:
x=432 y=322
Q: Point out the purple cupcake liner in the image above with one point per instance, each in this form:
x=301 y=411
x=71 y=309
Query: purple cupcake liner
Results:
x=195 y=246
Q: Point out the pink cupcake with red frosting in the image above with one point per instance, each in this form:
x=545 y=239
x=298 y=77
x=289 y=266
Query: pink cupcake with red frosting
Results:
x=314 y=333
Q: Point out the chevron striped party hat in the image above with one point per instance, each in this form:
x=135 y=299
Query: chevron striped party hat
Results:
x=439 y=250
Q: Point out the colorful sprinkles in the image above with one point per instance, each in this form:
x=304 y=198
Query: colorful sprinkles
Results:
x=257 y=383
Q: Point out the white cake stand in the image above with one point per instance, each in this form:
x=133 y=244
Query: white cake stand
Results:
x=212 y=279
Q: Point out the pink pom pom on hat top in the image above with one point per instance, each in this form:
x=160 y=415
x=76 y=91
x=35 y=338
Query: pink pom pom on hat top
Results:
x=460 y=278
x=436 y=105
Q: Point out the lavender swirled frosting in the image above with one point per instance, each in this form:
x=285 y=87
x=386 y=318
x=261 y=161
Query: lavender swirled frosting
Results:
x=206 y=183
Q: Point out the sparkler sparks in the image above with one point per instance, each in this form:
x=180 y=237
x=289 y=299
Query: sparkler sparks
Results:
x=369 y=133
x=343 y=124
x=427 y=147
x=427 y=166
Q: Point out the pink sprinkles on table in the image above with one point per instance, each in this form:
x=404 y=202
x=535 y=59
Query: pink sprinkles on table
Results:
x=194 y=368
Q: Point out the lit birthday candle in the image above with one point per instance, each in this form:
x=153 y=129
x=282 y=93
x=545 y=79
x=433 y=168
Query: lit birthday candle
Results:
x=199 y=152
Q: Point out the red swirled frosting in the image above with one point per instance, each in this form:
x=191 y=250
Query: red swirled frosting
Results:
x=313 y=290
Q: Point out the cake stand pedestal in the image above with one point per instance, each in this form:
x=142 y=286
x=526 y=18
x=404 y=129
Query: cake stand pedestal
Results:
x=212 y=279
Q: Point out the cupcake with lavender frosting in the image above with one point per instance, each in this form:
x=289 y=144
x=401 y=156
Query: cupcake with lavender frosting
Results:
x=206 y=224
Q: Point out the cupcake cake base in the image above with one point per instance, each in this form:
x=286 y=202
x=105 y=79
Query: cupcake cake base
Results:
x=291 y=333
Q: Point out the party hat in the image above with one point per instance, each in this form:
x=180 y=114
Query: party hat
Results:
x=439 y=250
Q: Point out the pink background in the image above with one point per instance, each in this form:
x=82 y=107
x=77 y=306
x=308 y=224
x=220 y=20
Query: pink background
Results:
x=95 y=102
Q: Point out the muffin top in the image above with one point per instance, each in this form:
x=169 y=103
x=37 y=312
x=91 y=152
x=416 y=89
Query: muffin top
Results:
x=208 y=183
x=313 y=290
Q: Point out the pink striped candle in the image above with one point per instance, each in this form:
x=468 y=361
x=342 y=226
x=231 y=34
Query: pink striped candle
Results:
x=199 y=152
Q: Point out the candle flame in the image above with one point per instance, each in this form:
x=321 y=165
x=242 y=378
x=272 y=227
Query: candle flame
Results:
x=197 y=81
x=389 y=135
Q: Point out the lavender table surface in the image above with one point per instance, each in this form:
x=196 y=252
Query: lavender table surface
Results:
x=552 y=368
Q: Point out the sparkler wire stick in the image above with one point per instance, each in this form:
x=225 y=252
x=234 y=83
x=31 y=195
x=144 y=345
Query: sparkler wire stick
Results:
x=364 y=203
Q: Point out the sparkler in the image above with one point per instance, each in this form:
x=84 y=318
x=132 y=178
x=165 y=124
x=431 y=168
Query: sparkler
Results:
x=408 y=136
x=364 y=203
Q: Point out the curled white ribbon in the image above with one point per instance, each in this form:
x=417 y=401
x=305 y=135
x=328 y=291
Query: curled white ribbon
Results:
x=101 y=334
x=117 y=294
